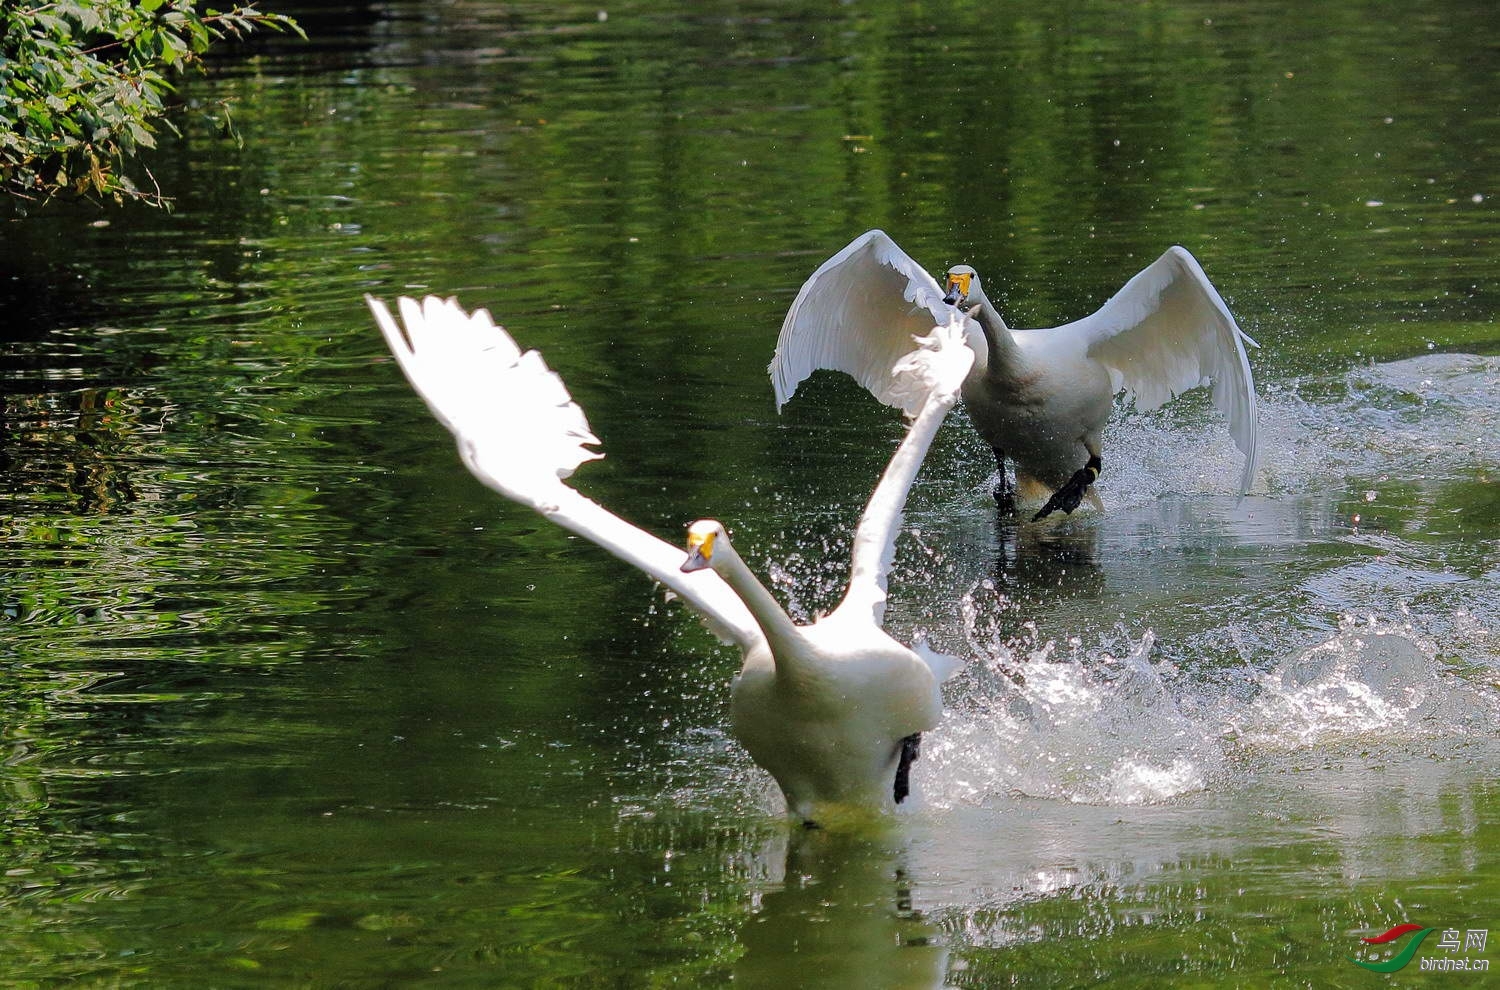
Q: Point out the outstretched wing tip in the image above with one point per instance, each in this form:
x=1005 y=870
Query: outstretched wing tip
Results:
x=515 y=422
x=934 y=369
x=520 y=432
x=1251 y=450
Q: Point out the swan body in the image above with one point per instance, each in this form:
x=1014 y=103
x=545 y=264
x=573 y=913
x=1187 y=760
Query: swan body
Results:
x=1041 y=397
x=832 y=710
x=828 y=709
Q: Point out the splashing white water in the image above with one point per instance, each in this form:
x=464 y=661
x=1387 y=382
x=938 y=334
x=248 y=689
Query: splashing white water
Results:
x=1103 y=717
x=1104 y=729
x=1366 y=682
x=1098 y=728
x=1185 y=640
x=1434 y=413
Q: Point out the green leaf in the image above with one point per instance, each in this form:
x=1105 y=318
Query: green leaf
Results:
x=83 y=85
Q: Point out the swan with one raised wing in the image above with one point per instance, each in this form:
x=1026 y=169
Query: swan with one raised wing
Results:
x=833 y=710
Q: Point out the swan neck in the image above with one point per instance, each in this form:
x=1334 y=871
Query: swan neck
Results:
x=997 y=338
x=779 y=629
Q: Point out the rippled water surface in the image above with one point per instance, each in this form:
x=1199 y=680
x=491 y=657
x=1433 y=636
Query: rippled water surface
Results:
x=289 y=699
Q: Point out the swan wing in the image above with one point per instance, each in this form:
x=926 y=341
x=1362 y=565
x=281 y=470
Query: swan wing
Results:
x=1167 y=331
x=520 y=433
x=858 y=314
x=928 y=378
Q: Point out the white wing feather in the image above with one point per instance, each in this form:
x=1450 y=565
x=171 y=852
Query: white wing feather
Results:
x=858 y=314
x=520 y=433
x=1168 y=331
x=928 y=377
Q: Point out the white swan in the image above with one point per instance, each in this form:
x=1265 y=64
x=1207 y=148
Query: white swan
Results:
x=832 y=710
x=1039 y=397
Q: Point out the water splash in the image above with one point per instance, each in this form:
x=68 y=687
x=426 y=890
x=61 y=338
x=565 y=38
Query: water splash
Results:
x=1114 y=726
x=1371 y=682
x=1437 y=413
x=1277 y=668
x=1101 y=726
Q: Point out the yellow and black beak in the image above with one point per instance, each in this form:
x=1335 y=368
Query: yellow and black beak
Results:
x=700 y=550
x=958 y=288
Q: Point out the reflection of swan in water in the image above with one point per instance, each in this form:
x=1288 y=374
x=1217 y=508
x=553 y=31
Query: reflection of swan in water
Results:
x=1062 y=558
x=841 y=918
x=833 y=710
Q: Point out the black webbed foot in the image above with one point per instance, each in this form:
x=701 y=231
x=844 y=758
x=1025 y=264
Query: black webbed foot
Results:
x=1067 y=497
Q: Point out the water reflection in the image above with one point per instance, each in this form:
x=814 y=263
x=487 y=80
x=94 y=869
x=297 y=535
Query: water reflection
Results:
x=1061 y=555
x=841 y=915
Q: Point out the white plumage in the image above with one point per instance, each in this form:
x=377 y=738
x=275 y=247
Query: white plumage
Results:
x=832 y=709
x=1040 y=397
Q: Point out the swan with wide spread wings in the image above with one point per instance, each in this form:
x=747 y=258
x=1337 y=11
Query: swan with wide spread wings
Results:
x=1040 y=397
x=833 y=710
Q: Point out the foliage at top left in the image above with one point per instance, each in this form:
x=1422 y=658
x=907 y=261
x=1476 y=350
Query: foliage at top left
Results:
x=84 y=85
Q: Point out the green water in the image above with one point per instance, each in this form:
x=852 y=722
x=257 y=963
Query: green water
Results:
x=289 y=699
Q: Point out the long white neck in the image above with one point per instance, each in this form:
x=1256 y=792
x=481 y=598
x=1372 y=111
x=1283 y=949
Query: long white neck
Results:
x=999 y=344
x=780 y=631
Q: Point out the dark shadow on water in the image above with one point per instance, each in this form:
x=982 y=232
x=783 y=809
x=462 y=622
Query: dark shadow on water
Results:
x=34 y=302
x=1059 y=553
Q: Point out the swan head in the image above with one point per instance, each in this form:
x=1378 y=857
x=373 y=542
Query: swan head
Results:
x=962 y=284
x=704 y=536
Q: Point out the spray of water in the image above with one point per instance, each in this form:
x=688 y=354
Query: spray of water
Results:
x=1337 y=635
x=1114 y=726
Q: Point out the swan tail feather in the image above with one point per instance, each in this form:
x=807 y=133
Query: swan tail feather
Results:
x=943 y=665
